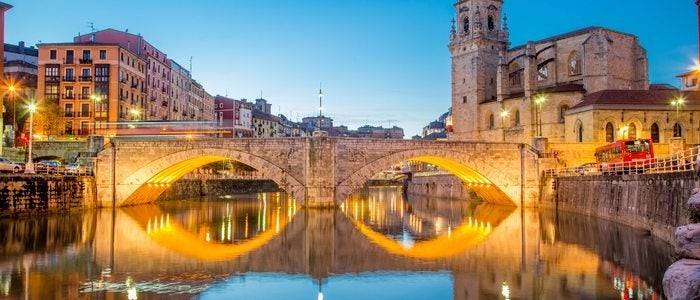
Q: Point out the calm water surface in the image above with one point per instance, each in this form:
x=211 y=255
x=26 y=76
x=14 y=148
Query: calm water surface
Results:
x=377 y=246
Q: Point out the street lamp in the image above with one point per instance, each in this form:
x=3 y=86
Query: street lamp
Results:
x=95 y=100
x=677 y=103
x=135 y=113
x=32 y=108
x=504 y=114
x=539 y=101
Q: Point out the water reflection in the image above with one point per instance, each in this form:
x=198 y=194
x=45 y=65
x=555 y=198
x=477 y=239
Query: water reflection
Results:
x=378 y=245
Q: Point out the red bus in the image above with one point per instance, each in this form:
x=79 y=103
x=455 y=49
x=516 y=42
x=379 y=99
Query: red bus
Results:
x=625 y=155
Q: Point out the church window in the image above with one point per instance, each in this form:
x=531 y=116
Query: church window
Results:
x=464 y=99
x=516 y=78
x=562 y=112
x=677 y=130
x=516 y=118
x=491 y=23
x=492 y=122
x=542 y=72
x=466 y=25
x=575 y=67
x=579 y=131
x=609 y=133
x=655 y=133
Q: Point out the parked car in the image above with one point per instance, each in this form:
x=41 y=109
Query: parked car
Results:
x=585 y=169
x=76 y=168
x=7 y=165
x=49 y=166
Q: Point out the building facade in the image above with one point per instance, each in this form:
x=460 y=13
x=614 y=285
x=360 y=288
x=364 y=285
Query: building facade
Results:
x=91 y=84
x=518 y=93
x=234 y=116
x=266 y=125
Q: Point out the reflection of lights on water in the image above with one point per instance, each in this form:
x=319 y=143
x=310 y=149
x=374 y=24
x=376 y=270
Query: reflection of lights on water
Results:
x=208 y=237
x=406 y=240
x=5 y=283
x=505 y=290
x=320 y=296
x=130 y=289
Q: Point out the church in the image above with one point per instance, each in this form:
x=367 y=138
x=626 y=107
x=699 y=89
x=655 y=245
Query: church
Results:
x=587 y=87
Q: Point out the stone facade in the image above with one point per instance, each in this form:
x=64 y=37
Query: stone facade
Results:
x=316 y=171
x=27 y=194
x=495 y=89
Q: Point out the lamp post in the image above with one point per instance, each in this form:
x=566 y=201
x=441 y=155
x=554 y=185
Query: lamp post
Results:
x=29 y=167
x=677 y=103
x=135 y=113
x=13 y=89
x=504 y=114
x=95 y=100
x=539 y=100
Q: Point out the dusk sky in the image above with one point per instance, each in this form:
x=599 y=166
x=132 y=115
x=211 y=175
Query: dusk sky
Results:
x=381 y=62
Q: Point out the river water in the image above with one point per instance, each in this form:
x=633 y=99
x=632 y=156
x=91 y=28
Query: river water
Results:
x=378 y=245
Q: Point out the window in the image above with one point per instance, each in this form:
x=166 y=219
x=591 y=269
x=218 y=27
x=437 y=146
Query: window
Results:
x=103 y=54
x=562 y=113
x=85 y=72
x=632 y=131
x=655 y=133
x=466 y=24
x=69 y=92
x=542 y=72
x=491 y=23
x=579 y=131
x=609 y=133
x=85 y=92
x=86 y=54
x=464 y=99
x=575 y=63
x=85 y=110
x=677 y=130
x=516 y=79
x=52 y=54
x=69 y=128
x=69 y=74
x=492 y=122
x=51 y=71
x=516 y=118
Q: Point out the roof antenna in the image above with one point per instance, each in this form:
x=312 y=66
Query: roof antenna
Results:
x=191 y=65
x=91 y=25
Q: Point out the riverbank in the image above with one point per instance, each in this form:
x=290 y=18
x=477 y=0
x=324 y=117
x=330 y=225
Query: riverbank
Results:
x=22 y=194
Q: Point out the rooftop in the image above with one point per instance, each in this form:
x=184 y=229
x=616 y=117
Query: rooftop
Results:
x=660 y=96
x=574 y=33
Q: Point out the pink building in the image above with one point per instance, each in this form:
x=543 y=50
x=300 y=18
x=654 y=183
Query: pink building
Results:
x=158 y=68
x=235 y=115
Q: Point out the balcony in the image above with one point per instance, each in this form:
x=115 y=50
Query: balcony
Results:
x=85 y=61
x=68 y=78
x=123 y=80
x=68 y=96
x=134 y=85
x=84 y=96
x=53 y=78
x=85 y=78
x=101 y=78
x=53 y=97
x=69 y=61
x=84 y=114
x=68 y=114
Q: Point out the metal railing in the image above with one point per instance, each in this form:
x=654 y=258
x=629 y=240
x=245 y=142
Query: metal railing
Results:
x=687 y=160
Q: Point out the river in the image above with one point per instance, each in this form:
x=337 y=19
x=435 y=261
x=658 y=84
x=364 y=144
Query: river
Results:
x=377 y=245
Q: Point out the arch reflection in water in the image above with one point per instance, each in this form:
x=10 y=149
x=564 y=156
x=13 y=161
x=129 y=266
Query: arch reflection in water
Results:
x=398 y=227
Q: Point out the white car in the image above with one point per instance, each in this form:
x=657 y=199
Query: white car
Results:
x=7 y=165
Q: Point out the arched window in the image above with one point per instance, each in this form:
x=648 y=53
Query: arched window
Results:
x=516 y=118
x=677 y=130
x=491 y=24
x=655 y=133
x=562 y=112
x=632 y=131
x=465 y=23
x=579 y=131
x=609 y=133
x=575 y=67
x=492 y=123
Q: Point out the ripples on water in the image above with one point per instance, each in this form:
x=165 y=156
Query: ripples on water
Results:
x=376 y=246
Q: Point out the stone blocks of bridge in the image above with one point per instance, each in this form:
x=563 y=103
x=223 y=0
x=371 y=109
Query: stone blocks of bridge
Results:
x=317 y=171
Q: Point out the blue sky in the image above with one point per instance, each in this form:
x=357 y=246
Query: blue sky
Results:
x=381 y=62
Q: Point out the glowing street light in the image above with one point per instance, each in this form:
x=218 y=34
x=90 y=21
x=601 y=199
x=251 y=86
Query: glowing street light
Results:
x=31 y=108
x=678 y=102
x=95 y=99
x=135 y=113
x=539 y=101
x=504 y=114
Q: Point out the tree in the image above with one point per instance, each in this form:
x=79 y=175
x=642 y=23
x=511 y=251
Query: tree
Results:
x=48 y=120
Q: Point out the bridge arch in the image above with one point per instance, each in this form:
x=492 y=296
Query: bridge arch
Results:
x=146 y=183
x=471 y=168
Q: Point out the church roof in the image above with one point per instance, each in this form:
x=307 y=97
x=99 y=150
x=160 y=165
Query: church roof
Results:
x=651 y=97
x=566 y=35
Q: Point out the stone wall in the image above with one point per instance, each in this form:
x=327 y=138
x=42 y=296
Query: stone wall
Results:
x=440 y=186
x=216 y=188
x=653 y=202
x=29 y=194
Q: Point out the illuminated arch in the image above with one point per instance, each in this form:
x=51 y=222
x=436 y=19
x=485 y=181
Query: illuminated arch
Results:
x=472 y=169
x=151 y=180
x=164 y=231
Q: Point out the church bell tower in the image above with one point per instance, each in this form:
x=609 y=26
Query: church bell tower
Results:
x=478 y=39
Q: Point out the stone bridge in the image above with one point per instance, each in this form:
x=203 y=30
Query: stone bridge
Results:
x=316 y=171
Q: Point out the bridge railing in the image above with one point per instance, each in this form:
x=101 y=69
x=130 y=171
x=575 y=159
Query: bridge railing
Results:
x=687 y=160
